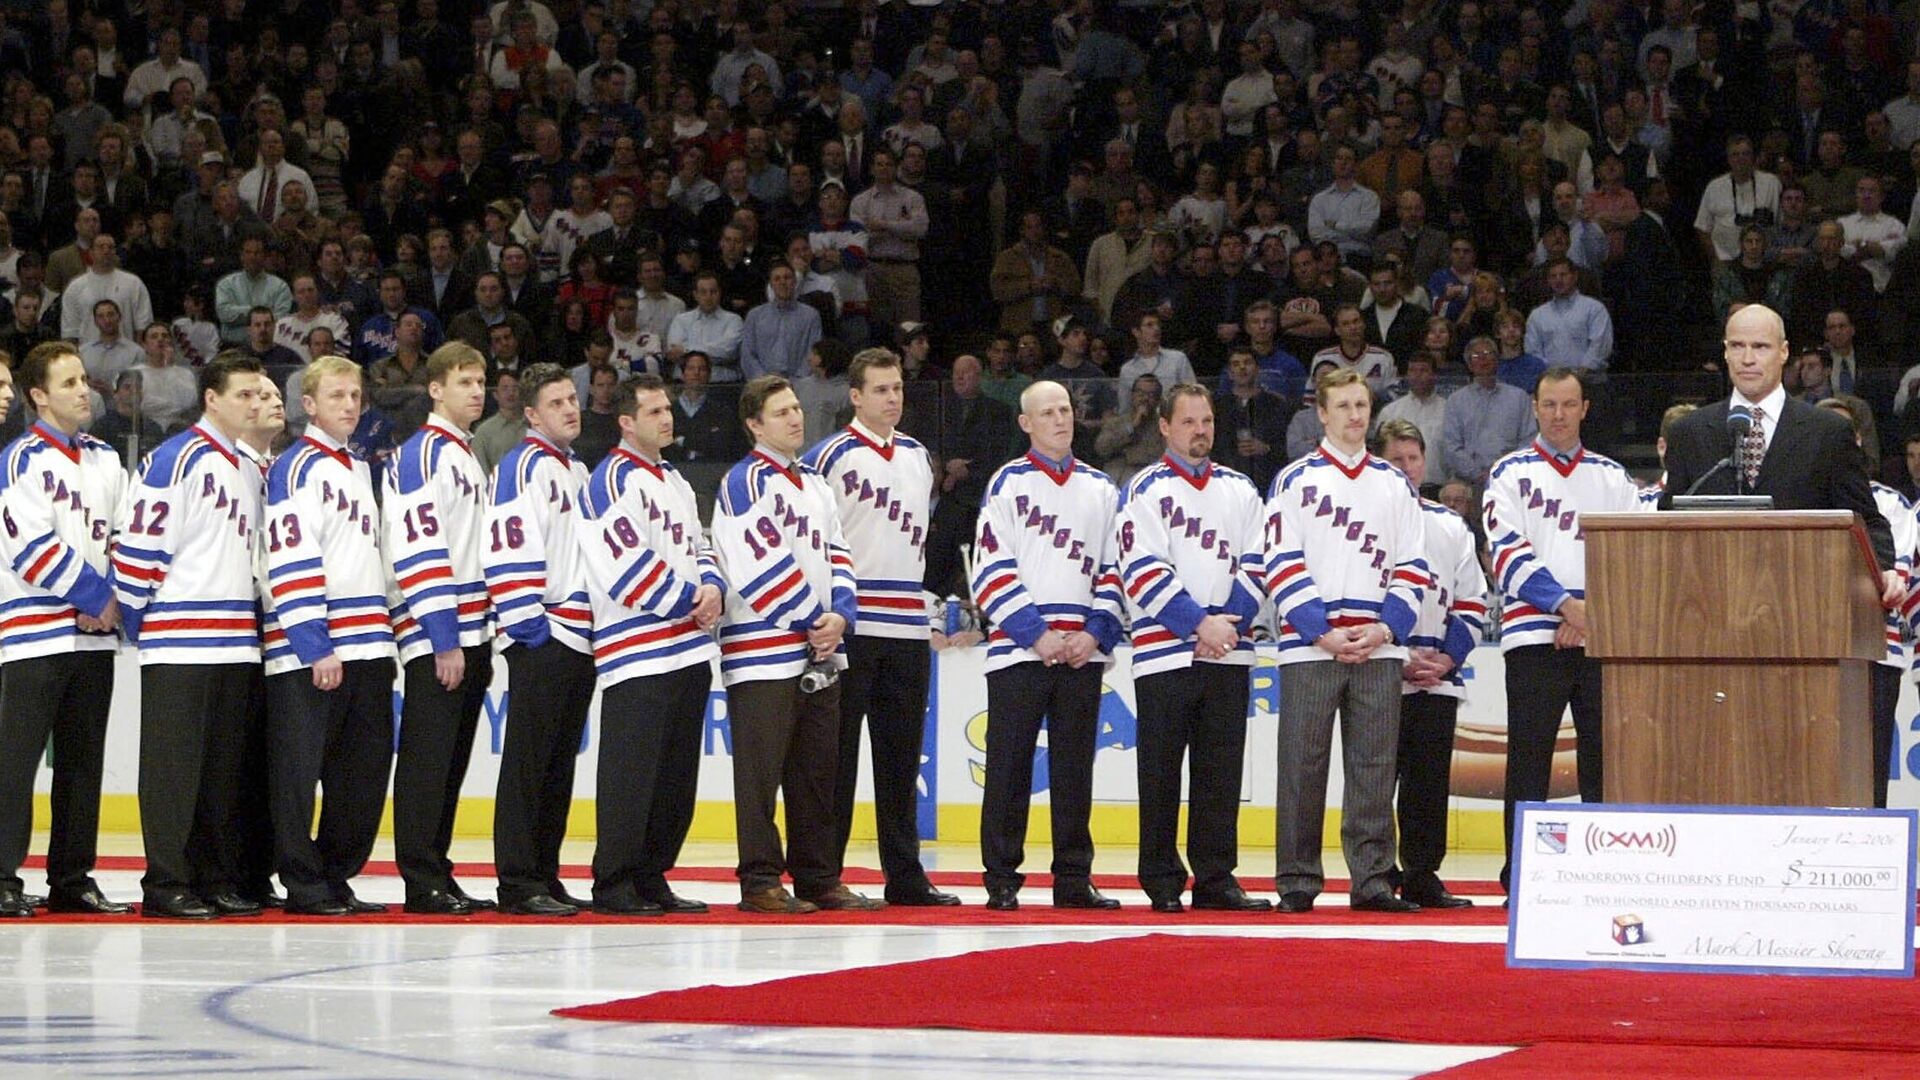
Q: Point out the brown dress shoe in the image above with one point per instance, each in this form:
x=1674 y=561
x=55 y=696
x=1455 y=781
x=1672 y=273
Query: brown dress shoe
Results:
x=775 y=901
x=841 y=898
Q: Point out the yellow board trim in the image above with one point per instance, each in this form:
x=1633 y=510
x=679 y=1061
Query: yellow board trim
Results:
x=1112 y=824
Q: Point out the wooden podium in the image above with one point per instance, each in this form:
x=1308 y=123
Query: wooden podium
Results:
x=1735 y=649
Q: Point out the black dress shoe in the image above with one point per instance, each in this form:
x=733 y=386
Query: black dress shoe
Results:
x=228 y=902
x=1232 y=898
x=628 y=905
x=178 y=907
x=14 y=906
x=559 y=894
x=34 y=900
x=1386 y=903
x=1434 y=896
x=1003 y=898
x=539 y=905
x=675 y=904
x=478 y=903
x=1083 y=897
x=364 y=907
x=436 y=902
x=1295 y=903
x=88 y=901
x=927 y=897
x=328 y=907
x=1167 y=905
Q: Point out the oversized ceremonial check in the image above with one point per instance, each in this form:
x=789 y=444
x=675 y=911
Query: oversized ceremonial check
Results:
x=1713 y=889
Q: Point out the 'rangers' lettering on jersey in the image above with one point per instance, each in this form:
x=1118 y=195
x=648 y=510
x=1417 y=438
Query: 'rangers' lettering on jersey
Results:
x=777 y=533
x=1533 y=508
x=882 y=488
x=1190 y=546
x=1345 y=547
x=535 y=573
x=58 y=497
x=1046 y=556
x=327 y=577
x=436 y=518
x=183 y=568
x=640 y=533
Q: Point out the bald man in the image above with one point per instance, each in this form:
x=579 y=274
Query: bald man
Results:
x=1804 y=457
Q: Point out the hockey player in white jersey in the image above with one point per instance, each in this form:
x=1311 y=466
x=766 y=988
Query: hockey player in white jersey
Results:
x=59 y=491
x=183 y=573
x=1453 y=616
x=1192 y=564
x=330 y=660
x=657 y=595
x=435 y=509
x=882 y=480
x=1347 y=569
x=1885 y=673
x=1534 y=500
x=1044 y=573
x=790 y=605
x=538 y=582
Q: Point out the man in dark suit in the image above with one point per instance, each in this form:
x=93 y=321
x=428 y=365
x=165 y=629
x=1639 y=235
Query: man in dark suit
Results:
x=445 y=289
x=976 y=436
x=1807 y=459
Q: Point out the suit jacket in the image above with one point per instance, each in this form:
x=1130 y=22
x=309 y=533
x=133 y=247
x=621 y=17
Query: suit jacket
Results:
x=458 y=296
x=1812 y=464
x=1012 y=285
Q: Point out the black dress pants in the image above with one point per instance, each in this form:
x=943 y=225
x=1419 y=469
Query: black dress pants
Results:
x=68 y=696
x=550 y=689
x=342 y=741
x=437 y=726
x=650 y=741
x=1425 y=772
x=885 y=684
x=1886 y=701
x=258 y=859
x=1199 y=710
x=1542 y=682
x=1019 y=699
x=192 y=754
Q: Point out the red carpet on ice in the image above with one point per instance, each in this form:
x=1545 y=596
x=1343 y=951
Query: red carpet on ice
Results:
x=1230 y=987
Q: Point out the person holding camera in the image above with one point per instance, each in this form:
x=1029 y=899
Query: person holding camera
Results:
x=789 y=608
x=1741 y=196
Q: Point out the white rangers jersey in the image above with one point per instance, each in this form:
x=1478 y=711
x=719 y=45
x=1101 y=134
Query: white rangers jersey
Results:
x=1045 y=554
x=435 y=510
x=535 y=574
x=1374 y=364
x=639 y=531
x=565 y=233
x=327 y=573
x=58 y=498
x=776 y=530
x=882 y=488
x=255 y=464
x=1345 y=547
x=1533 y=508
x=183 y=567
x=1906 y=533
x=1190 y=546
x=1453 y=611
x=633 y=353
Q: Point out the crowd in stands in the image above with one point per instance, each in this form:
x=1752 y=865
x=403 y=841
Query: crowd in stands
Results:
x=1445 y=195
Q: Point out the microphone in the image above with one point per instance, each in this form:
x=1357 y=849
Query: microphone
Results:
x=1739 y=420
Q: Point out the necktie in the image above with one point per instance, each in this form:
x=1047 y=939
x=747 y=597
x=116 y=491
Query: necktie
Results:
x=1659 y=105
x=268 y=189
x=1843 y=375
x=1753 y=447
x=853 y=157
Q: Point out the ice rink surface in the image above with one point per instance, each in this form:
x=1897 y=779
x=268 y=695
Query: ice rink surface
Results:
x=383 y=1000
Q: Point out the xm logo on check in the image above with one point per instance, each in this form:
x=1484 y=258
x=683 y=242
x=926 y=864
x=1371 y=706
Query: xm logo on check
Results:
x=1602 y=841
